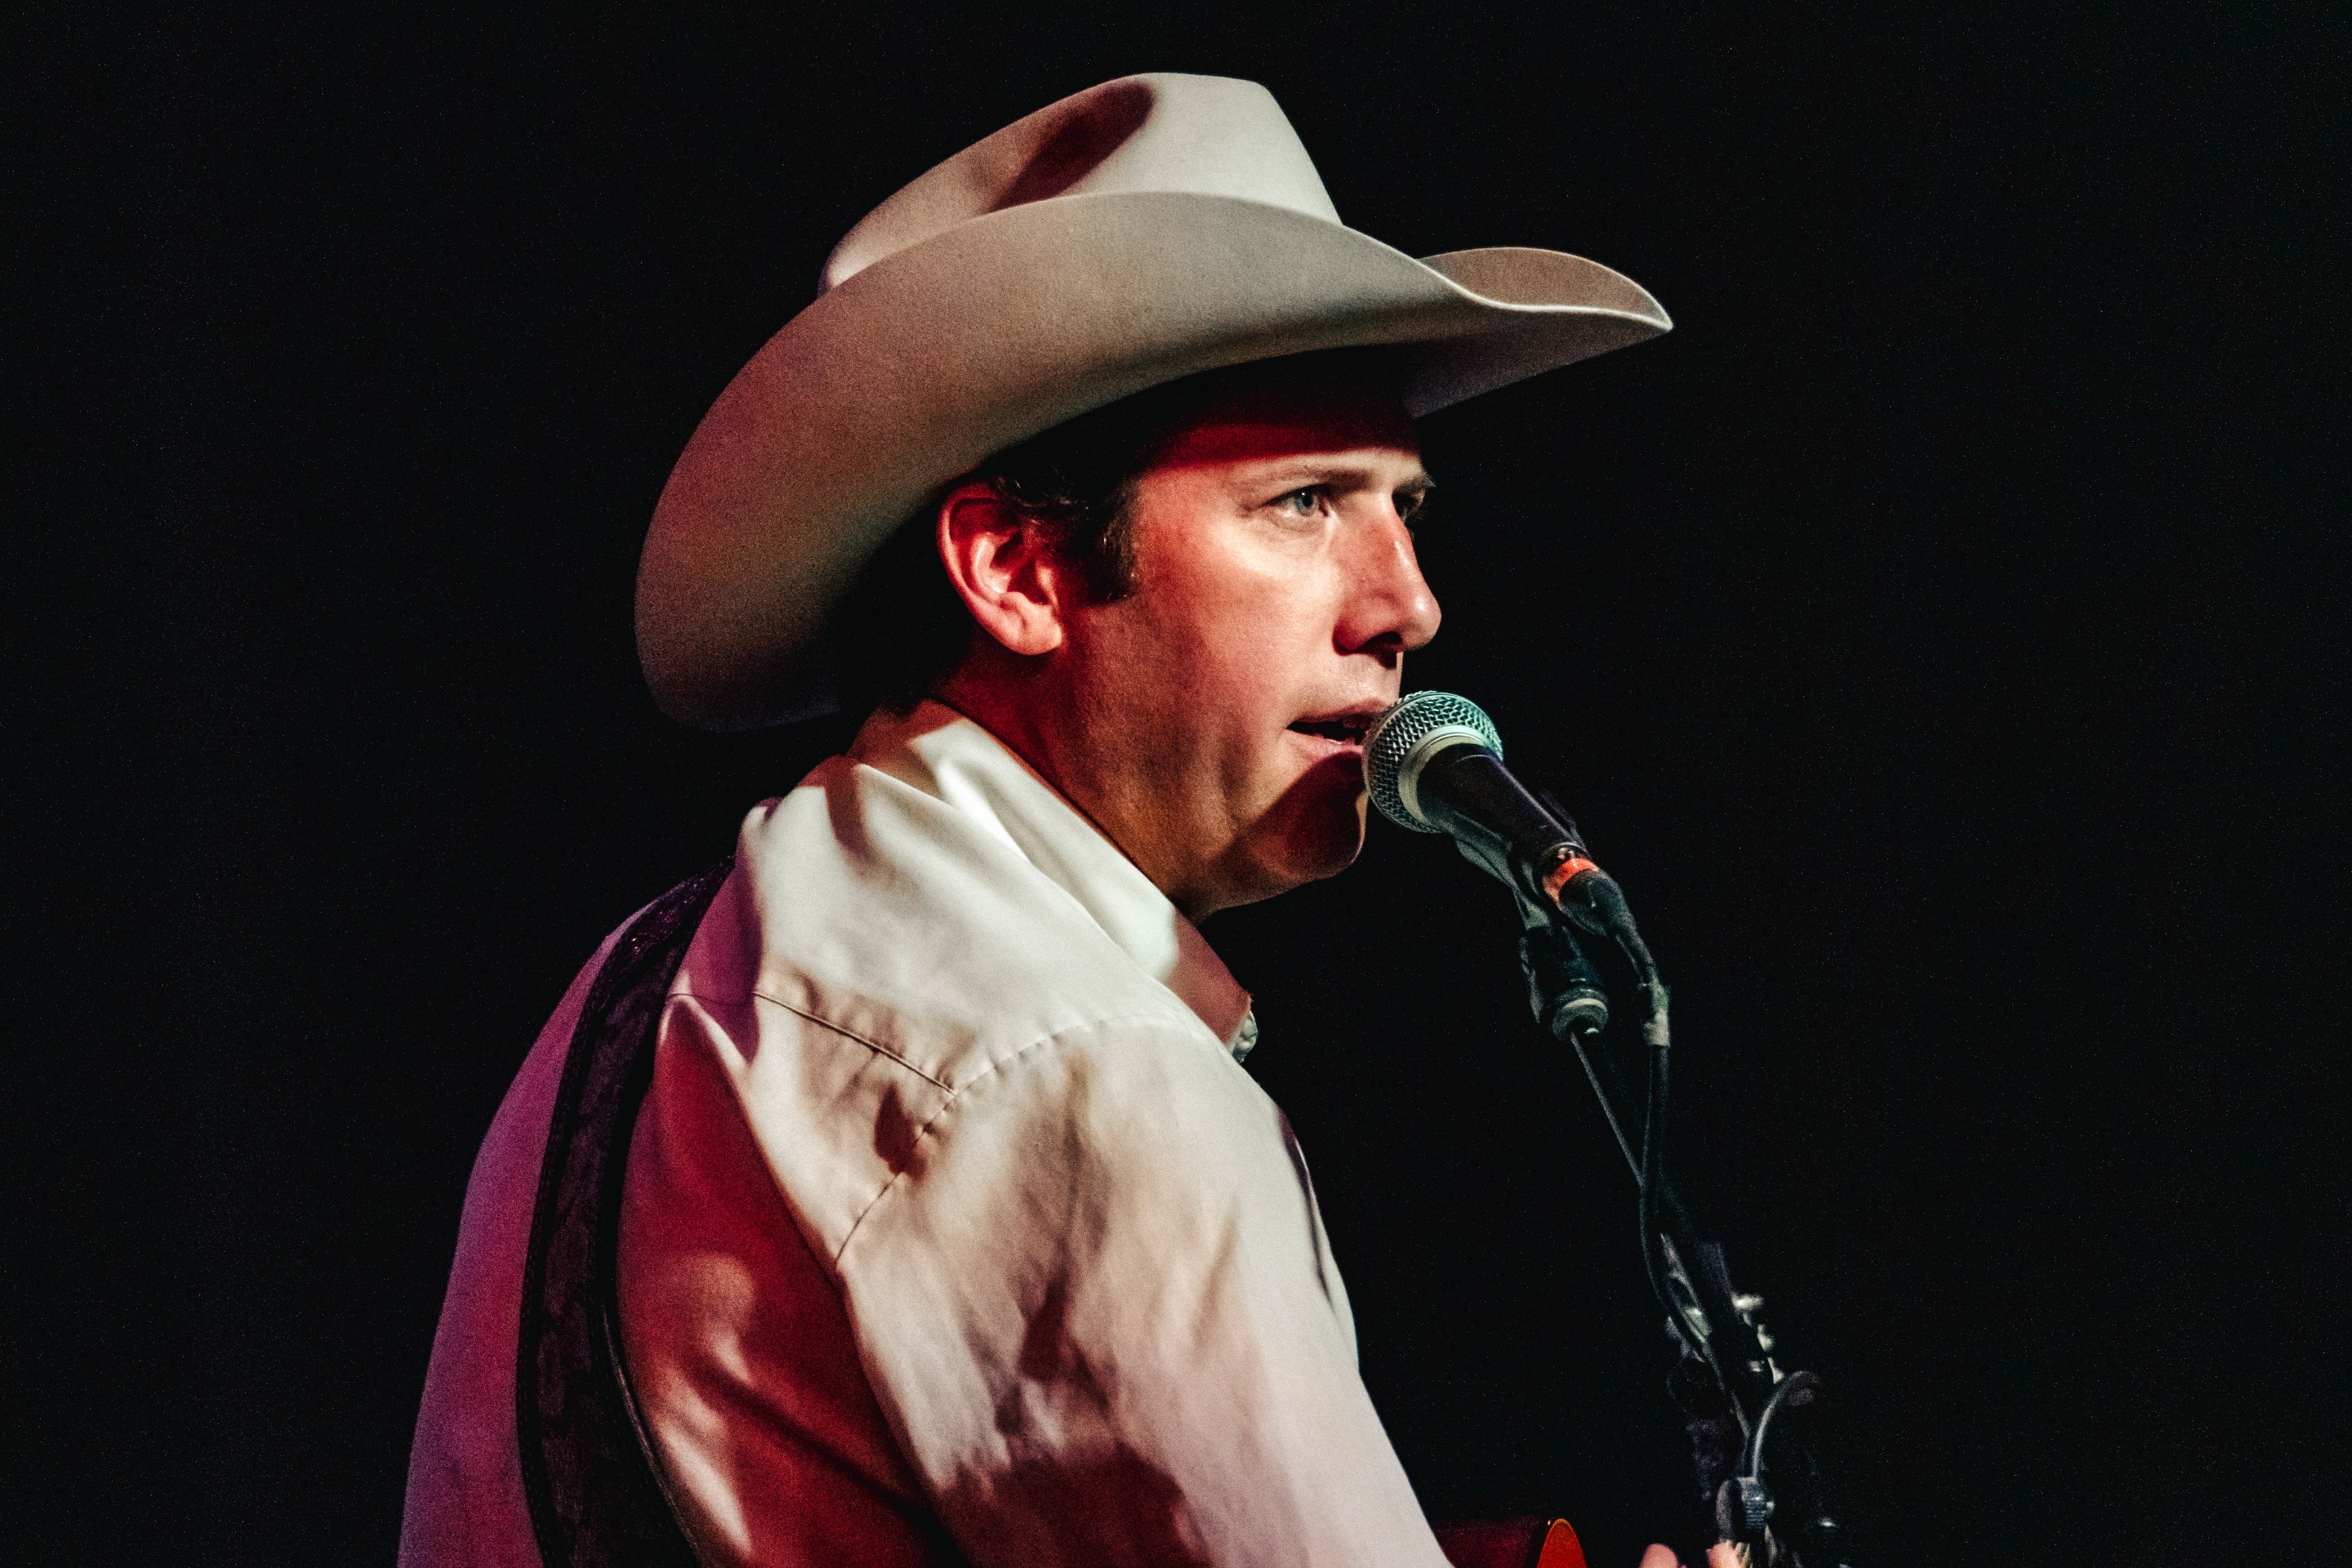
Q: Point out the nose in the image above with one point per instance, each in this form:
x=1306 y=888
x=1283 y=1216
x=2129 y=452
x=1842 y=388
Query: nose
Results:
x=1389 y=609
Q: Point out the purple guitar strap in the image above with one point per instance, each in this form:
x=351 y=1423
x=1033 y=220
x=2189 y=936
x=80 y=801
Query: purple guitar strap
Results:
x=598 y=1498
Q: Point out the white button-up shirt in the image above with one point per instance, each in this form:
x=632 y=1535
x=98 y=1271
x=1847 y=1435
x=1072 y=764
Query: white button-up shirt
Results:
x=951 y=1227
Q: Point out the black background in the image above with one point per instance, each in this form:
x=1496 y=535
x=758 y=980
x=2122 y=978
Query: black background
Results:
x=1936 y=633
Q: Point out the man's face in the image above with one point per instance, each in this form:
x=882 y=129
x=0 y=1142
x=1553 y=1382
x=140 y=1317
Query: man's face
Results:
x=1219 y=708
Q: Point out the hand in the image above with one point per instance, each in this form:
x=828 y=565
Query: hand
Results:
x=1723 y=1554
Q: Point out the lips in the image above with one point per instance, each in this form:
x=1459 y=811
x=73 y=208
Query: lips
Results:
x=1346 y=729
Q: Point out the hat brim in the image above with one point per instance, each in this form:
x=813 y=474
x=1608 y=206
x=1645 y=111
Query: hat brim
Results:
x=920 y=366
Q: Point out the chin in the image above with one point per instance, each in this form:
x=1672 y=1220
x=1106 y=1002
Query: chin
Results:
x=1315 y=831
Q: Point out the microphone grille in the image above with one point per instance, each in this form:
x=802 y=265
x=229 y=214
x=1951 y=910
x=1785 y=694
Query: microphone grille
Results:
x=1394 y=745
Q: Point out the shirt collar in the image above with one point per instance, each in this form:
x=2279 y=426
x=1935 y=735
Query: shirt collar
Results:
x=937 y=749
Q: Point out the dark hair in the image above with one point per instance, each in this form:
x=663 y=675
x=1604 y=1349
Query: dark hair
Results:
x=901 y=629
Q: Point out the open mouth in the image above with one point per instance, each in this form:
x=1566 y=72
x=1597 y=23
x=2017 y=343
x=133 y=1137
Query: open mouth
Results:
x=1347 y=729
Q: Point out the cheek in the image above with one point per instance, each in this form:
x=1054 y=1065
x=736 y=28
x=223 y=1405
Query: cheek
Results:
x=1245 y=630
x=1243 y=682
x=1212 y=692
x=1225 y=632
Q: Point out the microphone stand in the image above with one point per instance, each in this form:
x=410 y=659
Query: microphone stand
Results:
x=1725 y=1381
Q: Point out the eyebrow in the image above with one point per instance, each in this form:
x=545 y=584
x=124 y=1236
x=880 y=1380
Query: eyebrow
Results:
x=1417 y=482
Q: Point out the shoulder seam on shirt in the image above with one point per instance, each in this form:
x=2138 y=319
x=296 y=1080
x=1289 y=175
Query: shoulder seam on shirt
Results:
x=877 y=1047
x=985 y=1073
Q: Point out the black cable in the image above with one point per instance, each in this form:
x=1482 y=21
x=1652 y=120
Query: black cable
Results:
x=1586 y=1042
x=1651 y=1176
x=1797 y=1388
x=1609 y=902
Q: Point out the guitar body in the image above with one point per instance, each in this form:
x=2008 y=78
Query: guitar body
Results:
x=1511 y=1544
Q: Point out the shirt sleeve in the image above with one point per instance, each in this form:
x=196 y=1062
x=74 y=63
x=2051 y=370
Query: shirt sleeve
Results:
x=1097 y=1309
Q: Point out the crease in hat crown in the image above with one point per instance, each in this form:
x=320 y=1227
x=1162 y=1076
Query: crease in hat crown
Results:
x=1138 y=232
x=1208 y=135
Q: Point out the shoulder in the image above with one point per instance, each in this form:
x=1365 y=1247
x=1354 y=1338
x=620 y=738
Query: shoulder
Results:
x=1121 y=1124
x=875 y=909
x=893 y=992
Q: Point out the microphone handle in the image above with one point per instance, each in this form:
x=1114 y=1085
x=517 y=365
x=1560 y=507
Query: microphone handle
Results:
x=1466 y=790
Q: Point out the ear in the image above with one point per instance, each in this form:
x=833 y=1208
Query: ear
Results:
x=1004 y=569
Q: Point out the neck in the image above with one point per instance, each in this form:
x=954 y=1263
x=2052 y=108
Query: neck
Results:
x=1032 y=712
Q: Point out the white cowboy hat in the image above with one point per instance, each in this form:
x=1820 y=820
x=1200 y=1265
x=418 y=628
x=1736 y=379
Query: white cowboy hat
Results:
x=1141 y=231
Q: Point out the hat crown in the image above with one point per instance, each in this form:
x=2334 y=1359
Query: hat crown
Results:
x=1206 y=135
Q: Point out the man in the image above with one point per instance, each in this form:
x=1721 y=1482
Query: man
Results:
x=951 y=1228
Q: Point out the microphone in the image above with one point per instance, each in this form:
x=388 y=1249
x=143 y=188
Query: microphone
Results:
x=1434 y=763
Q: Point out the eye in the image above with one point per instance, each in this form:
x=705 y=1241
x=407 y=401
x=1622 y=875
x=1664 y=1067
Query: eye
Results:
x=1305 y=502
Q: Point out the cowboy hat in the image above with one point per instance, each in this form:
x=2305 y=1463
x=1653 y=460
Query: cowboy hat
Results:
x=1141 y=231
